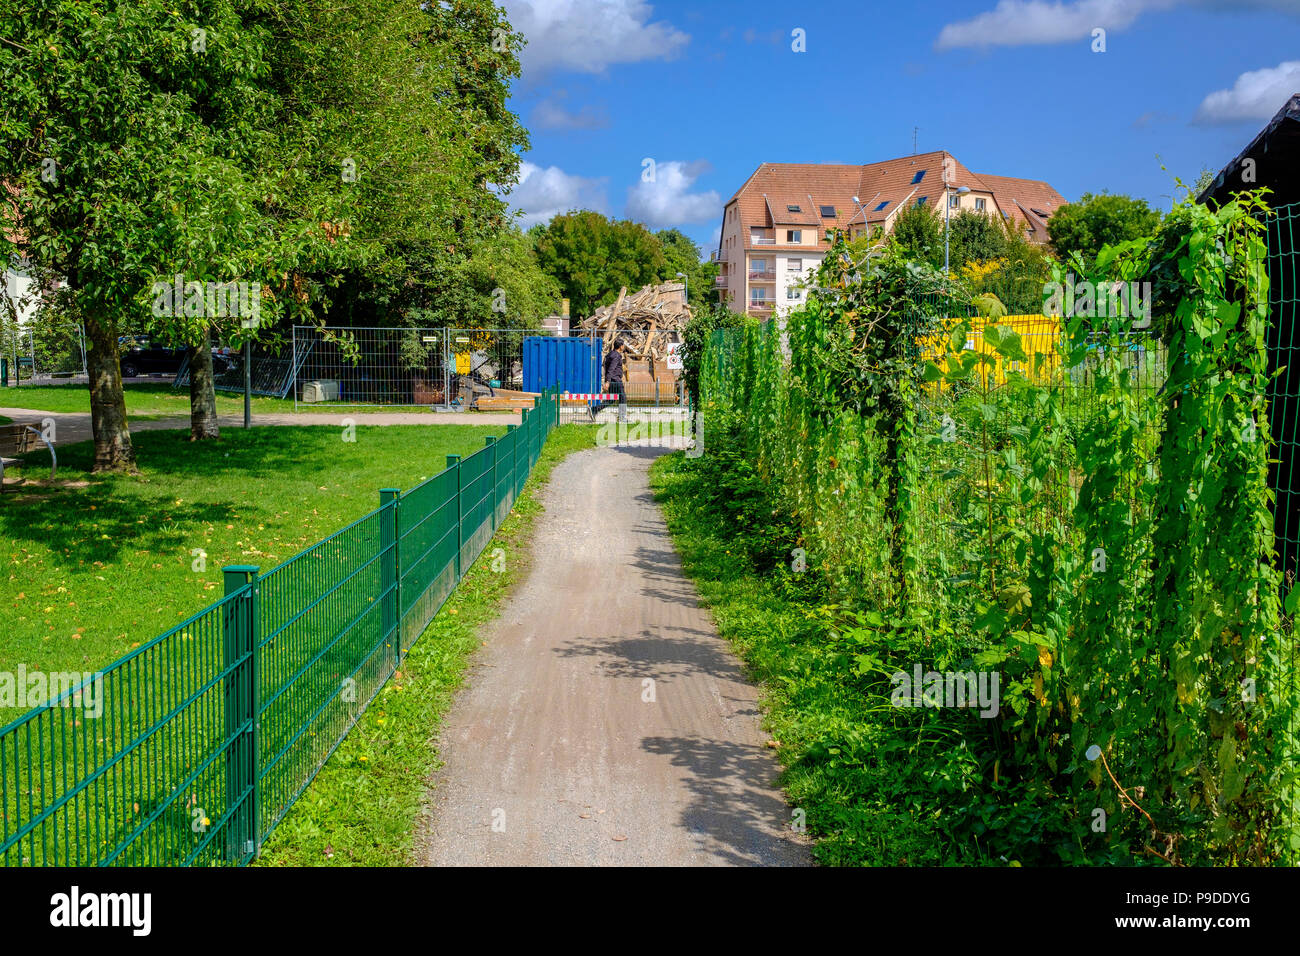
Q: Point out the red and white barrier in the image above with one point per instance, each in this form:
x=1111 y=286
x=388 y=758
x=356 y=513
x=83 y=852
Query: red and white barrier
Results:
x=591 y=396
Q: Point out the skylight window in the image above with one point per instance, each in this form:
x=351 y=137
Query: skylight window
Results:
x=918 y=177
x=923 y=200
x=882 y=205
x=792 y=208
x=828 y=212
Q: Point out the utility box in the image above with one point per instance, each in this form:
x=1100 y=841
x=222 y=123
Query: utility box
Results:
x=325 y=390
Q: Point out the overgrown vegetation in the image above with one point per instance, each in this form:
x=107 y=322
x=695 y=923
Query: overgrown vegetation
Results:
x=1089 y=527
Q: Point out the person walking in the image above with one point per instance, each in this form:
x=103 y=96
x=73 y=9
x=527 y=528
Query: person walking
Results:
x=614 y=382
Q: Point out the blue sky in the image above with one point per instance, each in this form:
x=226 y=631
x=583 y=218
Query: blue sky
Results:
x=1013 y=87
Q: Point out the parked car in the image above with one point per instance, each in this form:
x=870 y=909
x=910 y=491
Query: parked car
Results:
x=140 y=356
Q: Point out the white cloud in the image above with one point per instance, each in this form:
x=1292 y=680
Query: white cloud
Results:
x=1028 y=22
x=1021 y=22
x=545 y=193
x=1256 y=95
x=668 y=201
x=550 y=114
x=587 y=36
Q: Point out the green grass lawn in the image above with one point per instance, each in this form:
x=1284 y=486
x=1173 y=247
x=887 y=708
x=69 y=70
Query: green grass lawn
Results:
x=159 y=399
x=96 y=565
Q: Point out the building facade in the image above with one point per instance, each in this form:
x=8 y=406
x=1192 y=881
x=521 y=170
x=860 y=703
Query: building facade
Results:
x=775 y=228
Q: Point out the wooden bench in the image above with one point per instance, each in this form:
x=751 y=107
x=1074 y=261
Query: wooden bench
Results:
x=19 y=438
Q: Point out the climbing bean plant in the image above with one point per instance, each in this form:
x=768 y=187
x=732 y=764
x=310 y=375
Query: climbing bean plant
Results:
x=1089 y=518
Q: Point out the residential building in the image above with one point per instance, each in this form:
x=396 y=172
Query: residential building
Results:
x=775 y=228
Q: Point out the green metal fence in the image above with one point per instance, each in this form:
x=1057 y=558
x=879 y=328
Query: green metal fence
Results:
x=190 y=750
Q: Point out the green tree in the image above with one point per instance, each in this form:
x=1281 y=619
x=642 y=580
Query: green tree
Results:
x=144 y=142
x=704 y=321
x=975 y=237
x=591 y=258
x=441 y=268
x=1096 y=221
x=918 y=235
x=1017 y=275
x=683 y=255
x=118 y=176
x=499 y=285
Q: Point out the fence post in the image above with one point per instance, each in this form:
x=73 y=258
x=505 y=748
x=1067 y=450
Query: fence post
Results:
x=533 y=446
x=239 y=643
x=453 y=461
x=523 y=440
x=490 y=442
x=514 y=442
x=390 y=531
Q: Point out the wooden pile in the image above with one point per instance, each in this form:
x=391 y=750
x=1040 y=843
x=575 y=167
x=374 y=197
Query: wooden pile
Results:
x=505 y=400
x=646 y=322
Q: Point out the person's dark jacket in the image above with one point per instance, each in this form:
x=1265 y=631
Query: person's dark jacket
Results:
x=614 y=366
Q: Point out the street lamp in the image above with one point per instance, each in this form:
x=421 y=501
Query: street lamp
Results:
x=858 y=202
x=947 y=210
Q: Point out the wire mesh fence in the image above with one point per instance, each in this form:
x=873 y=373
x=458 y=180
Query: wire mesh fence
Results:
x=1284 y=389
x=369 y=366
x=191 y=749
x=44 y=353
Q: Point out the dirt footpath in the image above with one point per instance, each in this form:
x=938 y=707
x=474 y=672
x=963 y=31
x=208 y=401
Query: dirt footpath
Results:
x=605 y=722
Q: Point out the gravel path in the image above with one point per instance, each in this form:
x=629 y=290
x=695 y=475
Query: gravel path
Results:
x=553 y=756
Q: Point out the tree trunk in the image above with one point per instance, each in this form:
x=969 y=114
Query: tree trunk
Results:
x=203 y=396
x=113 y=451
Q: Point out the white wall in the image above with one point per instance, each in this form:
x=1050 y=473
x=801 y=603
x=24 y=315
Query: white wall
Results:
x=21 y=292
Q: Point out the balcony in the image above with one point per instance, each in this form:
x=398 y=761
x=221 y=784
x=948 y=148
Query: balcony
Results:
x=763 y=275
x=757 y=240
x=760 y=305
x=720 y=282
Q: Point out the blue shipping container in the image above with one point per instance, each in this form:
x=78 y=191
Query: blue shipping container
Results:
x=569 y=364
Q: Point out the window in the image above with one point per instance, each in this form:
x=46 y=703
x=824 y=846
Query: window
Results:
x=794 y=294
x=918 y=177
x=1039 y=212
x=954 y=201
x=757 y=295
x=979 y=205
x=794 y=209
x=882 y=205
x=794 y=265
x=794 y=236
x=923 y=200
x=828 y=212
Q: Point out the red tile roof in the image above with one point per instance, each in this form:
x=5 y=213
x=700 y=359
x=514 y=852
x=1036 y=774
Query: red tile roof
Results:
x=764 y=197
